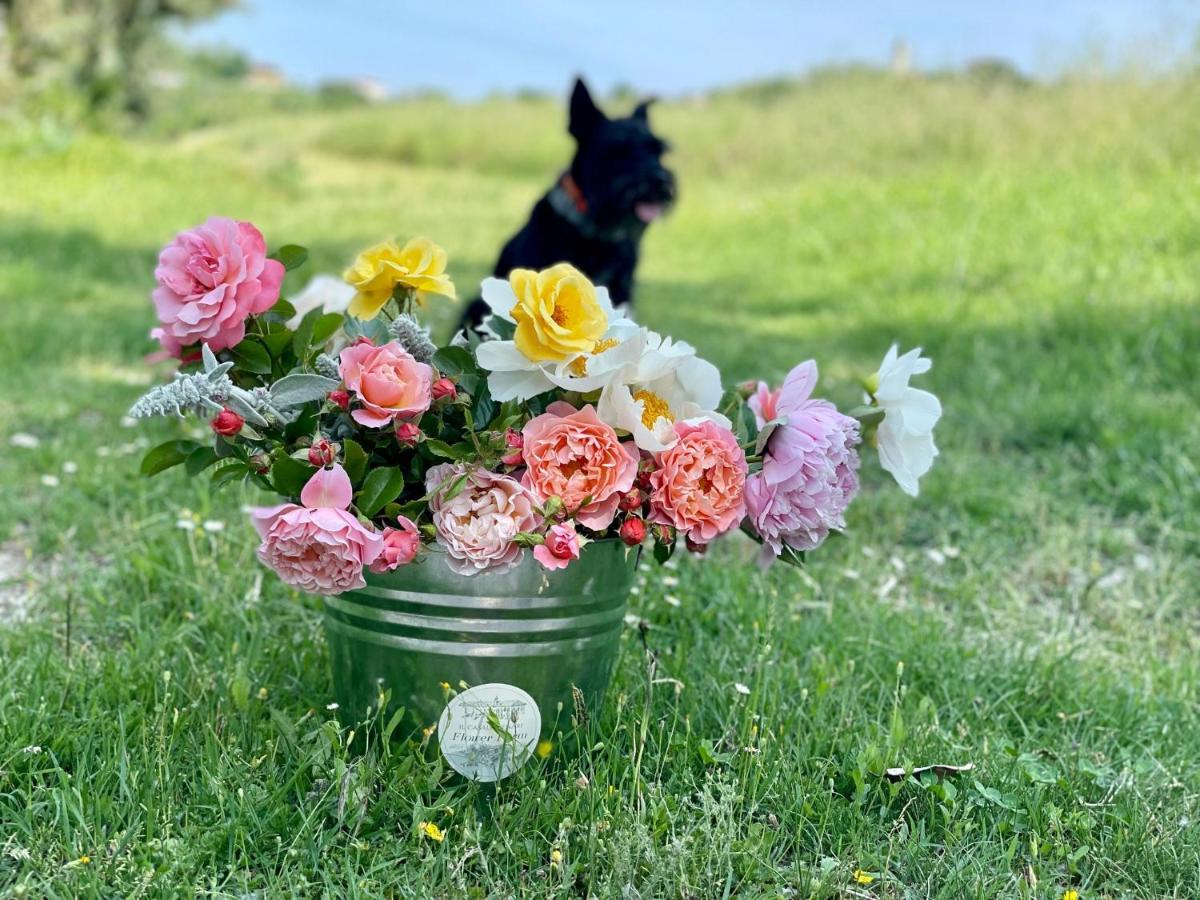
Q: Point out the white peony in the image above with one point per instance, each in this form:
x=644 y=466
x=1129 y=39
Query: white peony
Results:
x=905 y=436
x=514 y=376
x=667 y=383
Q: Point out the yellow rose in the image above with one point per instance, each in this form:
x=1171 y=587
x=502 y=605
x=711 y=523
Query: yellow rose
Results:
x=420 y=264
x=556 y=312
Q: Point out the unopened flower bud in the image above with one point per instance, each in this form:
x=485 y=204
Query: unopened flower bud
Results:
x=695 y=546
x=227 y=423
x=407 y=434
x=323 y=452
x=515 y=443
x=646 y=466
x=340 y=398
x=260 y=462
x=632 y=499
x=747 y=389
x=663 y=534
x=444 y=388
x=553 y=506
x=633 y=531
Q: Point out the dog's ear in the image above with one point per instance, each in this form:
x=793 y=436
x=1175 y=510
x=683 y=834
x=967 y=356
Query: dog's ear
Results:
x=585 y=116
x=641 y=112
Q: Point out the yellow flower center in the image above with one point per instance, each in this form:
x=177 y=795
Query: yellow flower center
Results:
x=654 y=408
x=578 y=366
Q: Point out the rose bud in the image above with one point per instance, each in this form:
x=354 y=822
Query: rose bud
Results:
x=407 y=434
x=340 y=398
x=747 y=389
x=444 y=388
x=260 y=462
x=695 y=546
x=227 y=423
x=362 y=339
x=663 y=534
x=633 y=531
x=323 y=452
x=645 y=467
x=631 y=500
x=515 y=442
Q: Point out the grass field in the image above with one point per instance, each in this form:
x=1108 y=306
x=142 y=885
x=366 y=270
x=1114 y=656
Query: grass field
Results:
x=163 y=719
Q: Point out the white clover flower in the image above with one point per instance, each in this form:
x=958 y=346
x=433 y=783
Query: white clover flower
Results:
x=50 y=481
x=212 y=526
x=741 y=689
x=25 y=441
x=905 y=436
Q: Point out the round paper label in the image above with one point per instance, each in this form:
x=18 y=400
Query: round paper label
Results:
x=489 y=731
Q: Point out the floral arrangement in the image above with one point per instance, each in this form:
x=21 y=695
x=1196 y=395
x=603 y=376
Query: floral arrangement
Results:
x=563 y=423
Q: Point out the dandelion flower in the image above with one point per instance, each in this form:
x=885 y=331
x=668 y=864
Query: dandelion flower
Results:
x=544 y=749
x=863 y=877
x=431 y=831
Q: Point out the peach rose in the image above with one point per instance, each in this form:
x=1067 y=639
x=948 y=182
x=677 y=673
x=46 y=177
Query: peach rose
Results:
x=479 y=523
x=562 y=546
x=400 y=546
x=700 y=481
x=388 y=381
x=571 y=454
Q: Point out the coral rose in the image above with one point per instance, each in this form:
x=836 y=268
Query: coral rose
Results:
x=562 y=546
x=478 y=515
x=571 y=454
x=400 y=546
x=698 y=485
x=210 y=279
x=318 y=547
x=388 y=380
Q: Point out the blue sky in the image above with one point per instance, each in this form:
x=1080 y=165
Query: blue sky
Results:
x=469 y=47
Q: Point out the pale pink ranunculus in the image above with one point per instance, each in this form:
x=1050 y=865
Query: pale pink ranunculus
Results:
x=478 y=524
x=698 y=485
x=400 y=546
x=561 y=548
x=210 y=280
x=388 y=381
x=318 y=547
x=571 y=454
x=810 y=469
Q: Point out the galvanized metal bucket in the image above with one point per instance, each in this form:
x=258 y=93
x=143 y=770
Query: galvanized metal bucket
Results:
x=422 y=625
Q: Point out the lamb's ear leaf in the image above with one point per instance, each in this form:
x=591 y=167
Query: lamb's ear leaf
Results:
x=300 y=388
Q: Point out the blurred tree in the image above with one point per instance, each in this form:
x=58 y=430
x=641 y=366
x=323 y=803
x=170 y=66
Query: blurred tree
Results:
x=96 y=50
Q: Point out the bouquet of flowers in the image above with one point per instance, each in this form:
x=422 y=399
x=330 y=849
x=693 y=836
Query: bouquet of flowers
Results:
x=564 y=422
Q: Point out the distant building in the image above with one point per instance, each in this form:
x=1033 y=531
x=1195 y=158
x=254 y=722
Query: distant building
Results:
x=265 y=78
x=901 y=58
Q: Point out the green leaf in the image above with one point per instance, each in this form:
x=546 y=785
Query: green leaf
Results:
x=300 y=388
x=445 y=451
x=251 y=356
x=502 y=328
x=354 y=460
x=229 y=472
x=290 y=475
x=325 y=327
x=483 y=407
x=293 y=256
x=304 y=332
x=278 y=338
x=663 y=552
x=455 y=361
x=200 y=459
x=380 y=488
x=282 y=309
x=164 y=456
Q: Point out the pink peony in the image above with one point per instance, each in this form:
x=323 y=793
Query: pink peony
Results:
x=388 y=381
x=561 y=547
x=478 y=516
x=210 y=279
x=571 y=454
x=698 y=484
x=809 y=473
x=318 y=547
x=400 y=546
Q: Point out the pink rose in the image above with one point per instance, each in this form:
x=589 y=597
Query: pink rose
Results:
x=318 y=547
x=478 y=525
x=400 y=546
x=388 y=381
x=698 y=485
x=571 y=454
x=810 y=469
x=210 y=279
x=561 y=547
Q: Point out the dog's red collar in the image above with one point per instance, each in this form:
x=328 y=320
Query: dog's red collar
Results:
x=573 y=191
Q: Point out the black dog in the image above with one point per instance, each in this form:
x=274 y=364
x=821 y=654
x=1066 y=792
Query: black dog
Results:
x=596 y=213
